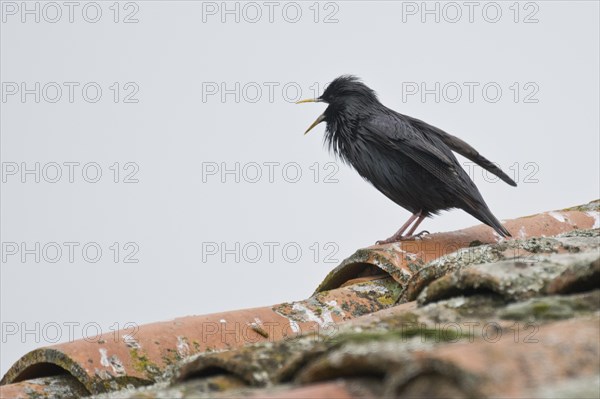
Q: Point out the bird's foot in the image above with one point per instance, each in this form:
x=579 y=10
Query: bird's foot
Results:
x=398 y=238
x=419 y=235
x=389 y=240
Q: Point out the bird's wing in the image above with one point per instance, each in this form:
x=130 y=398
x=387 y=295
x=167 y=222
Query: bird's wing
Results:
x=463 y=149
x=429 y=152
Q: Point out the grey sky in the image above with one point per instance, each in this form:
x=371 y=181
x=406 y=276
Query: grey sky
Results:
x=196 y=96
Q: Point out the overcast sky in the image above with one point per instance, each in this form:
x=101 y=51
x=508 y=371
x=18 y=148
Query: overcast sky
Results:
x=154 y=163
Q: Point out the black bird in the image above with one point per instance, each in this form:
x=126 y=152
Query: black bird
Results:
x=408 y=160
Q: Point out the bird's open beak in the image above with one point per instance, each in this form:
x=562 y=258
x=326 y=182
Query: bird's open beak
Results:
x=309 y=100
x=321 y=117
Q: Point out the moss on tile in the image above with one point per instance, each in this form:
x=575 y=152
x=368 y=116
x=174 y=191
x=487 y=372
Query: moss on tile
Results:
x=553 y=307
x=144 y=365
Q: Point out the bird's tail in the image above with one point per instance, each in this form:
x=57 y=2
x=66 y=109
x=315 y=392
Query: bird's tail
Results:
x=484 y=214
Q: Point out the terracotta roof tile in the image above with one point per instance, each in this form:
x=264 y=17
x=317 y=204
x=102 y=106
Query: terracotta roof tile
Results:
x=100 y=366
x=460 y=314
x=512 y=280
x=59 y=386
x=404 y=261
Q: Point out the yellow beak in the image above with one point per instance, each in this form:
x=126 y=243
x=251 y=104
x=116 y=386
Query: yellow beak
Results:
x=308 y=100
x=321 y=117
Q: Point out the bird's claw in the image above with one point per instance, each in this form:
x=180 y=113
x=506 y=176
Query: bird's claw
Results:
x=419 y=235
x=389 y=240
x=393 y=239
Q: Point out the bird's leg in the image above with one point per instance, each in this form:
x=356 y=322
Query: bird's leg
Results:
x=412 y=229
x=398 y=235
x=410 y=235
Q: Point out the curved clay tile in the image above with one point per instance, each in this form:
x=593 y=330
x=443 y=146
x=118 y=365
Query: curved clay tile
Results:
x=61 y=386
x=512 y=280
x=112 y=362
x=404 y=260
x=576 y=278
x=257 y=365
x=369 y=281
x=502 y=367
x=505 y=368
x=326 y=390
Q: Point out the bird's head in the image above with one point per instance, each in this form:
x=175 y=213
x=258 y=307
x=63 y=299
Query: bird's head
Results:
x=346 y=96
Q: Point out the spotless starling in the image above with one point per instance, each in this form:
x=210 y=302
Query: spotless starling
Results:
x=408 y=160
